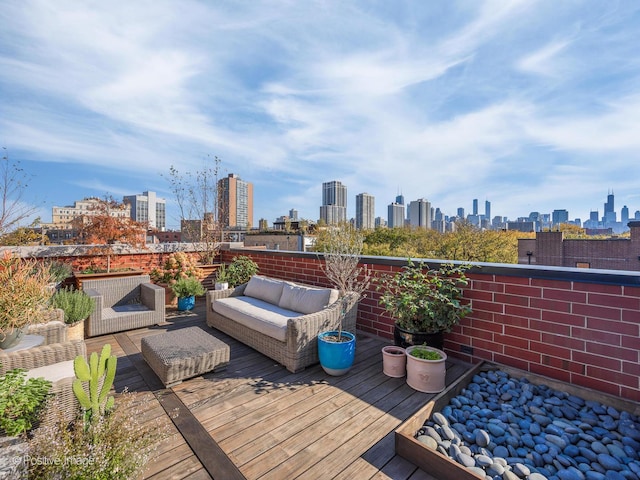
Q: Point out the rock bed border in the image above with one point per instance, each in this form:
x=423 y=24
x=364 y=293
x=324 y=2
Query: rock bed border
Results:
x=438 y=457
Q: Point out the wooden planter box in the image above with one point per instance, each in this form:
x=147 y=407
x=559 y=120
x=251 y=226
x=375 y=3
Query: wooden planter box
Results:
x=79 y=277
x=441 y=466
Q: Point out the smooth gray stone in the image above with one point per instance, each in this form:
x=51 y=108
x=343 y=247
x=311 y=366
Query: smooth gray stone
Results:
x=509 y=475
x=428 y=441
x=557 y=441
x=495 y=469
x=483 y=439
x=440 y=419
x=466 y=460
x=536 y=476
x=521 y=470
x=483 y=460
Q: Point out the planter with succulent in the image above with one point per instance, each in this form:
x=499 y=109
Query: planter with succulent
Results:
x=424 y=302
x=426 y=368
x=24 y=296
x=222 y=278
x=337 y=348
x=186 y=290
x=77 y=307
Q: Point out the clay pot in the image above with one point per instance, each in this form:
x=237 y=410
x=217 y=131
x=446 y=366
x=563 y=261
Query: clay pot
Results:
x=426 y=375
x=394 y=361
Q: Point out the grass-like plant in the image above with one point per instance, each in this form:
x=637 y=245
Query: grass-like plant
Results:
x=21 y=400
x=187 y=287
x=77 y=305
x=425 y=354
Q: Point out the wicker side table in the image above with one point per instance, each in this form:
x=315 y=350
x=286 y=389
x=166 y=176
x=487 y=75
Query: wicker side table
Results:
x=180 y=354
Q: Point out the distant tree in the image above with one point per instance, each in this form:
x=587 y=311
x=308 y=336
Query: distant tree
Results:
x=23 y=236
x=13 y=182
x=107 y=225
x=200 y=204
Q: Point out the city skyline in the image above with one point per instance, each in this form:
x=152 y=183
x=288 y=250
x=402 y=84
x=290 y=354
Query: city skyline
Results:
x=533 y=105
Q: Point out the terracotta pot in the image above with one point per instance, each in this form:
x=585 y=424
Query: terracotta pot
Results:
x=394 y=361
x=426 y=375
x=76 y=331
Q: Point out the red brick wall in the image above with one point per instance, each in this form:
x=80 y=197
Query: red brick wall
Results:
x=573 y=325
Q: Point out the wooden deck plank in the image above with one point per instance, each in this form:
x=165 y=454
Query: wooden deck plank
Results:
x=267 y=422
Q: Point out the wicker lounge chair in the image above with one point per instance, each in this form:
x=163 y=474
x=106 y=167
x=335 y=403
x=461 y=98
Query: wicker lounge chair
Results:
x=52 y=360
x=124 y=303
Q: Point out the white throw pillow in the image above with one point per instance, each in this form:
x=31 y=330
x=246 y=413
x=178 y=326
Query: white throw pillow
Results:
x=263 y=288
x=304 y=299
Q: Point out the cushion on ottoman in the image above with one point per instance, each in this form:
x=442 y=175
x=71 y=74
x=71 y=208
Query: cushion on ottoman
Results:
x=184 y=353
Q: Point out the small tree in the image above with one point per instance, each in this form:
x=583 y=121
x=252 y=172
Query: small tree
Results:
x=110 y=225
x=13 y=182
x=200 y=204
x=342 y=251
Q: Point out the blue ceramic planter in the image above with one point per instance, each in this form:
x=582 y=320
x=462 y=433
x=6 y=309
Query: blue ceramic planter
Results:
x=336 y=358
x=186 y=303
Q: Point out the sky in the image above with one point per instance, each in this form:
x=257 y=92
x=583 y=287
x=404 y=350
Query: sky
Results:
x=532 y=105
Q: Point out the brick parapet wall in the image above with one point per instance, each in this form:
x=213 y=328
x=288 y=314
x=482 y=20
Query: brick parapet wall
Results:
x=577 y=325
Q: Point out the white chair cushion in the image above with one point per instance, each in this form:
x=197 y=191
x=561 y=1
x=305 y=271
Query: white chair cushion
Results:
x=263 y=288
x=303 y=299
x=256 y=314
x=54 y=372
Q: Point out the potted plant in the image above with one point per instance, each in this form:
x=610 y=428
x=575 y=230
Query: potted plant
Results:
x=222 y=281
x=424 y=302
x=394 y=361
x=426 y=368
x=176 y=266
x=24 y=296
x=77 y=307
x=337 y=348
x=240 y=270
x=186 y=289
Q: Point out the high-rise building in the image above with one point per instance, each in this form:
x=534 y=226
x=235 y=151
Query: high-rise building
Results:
x=148 y=208
x=395 y=213
x=334 y=203
x=475 y=206
x=236 y=202
x=487 y=209
x=609 y=210
x=400 y=199
x=420 y=213
x=365 y=211
x=460 y=213
x=624 y=216
x=558 y=217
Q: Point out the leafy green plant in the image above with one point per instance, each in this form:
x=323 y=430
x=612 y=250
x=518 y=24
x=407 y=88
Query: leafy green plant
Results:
x=77 y=305
x=187 y=287
x=21 y=400
x=422 y=299
x=59 y=271
x=425 y=354
x=221 y=274
x=240 y=270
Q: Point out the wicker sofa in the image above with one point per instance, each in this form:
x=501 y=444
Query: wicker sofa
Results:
x=124 y=303
x=278 y=318
x=53 y=360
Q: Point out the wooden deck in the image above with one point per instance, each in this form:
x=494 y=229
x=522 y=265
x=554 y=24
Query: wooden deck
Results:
x=256 y=420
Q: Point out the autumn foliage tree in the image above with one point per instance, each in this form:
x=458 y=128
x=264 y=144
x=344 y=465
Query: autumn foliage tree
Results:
x=109 y=224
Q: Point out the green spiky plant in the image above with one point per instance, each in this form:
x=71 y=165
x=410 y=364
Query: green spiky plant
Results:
x=100 y=373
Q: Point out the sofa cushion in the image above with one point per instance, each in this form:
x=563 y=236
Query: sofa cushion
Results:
x=263 y=288
x=54 y=372
x=256 y=314
x=304 y=299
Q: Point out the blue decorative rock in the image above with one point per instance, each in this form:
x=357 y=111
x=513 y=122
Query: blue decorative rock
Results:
x=482 y=438
x=609 y=462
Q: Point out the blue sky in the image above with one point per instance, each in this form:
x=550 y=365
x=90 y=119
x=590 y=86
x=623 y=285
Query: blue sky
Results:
x=533 y=105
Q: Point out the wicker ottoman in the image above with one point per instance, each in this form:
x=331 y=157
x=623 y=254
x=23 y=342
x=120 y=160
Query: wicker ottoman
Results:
x=184 y=353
